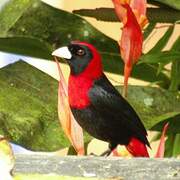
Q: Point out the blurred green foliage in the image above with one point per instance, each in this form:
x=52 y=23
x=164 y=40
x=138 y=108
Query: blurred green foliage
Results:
x=28 y=97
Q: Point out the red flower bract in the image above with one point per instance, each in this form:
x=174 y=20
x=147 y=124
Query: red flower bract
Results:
x=161 y=147
x=130 y=44
x=131 y=40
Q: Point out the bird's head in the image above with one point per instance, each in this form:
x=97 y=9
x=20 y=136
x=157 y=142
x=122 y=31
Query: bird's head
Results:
x=83 y=58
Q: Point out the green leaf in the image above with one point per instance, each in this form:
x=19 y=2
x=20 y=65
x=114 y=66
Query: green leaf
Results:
x=176 y=149
x=172 y=145
x=171 y=117
x=155 y=106
x=26 y=46
x=148 y=30
x=175 y=69
x=169 y=145
x=163 y=15
x=156 y=56
x=160 y=57
x=162 y=42
x=172 y=3
x=28 y=108
x=100 y=14
x=156 y=137
x=154 y=15
x=57 y=28
x=176 y=46
x=11 y=12
x=175 y=72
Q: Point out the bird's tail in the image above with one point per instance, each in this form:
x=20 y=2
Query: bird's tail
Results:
x=137 y=148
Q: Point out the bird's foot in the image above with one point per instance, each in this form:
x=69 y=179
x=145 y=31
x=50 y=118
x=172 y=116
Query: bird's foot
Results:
x=92 y=154
x=106 y=153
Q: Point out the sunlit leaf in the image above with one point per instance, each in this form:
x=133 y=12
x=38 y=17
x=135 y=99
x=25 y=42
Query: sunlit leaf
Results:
x=26 y=46
x=28 y=112
x=11 y=12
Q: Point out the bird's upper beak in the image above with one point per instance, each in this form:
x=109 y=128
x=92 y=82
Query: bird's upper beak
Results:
x=62 y=52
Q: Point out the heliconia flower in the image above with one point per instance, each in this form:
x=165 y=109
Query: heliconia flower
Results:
x=139 y=9
x=132 y=15
x=161 y=147
x=71 y=128
x=130 y=44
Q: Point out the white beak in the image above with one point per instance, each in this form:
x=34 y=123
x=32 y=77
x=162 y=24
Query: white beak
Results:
x=62 y=52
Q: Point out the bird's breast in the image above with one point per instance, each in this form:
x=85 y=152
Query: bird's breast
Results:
x=78 y=89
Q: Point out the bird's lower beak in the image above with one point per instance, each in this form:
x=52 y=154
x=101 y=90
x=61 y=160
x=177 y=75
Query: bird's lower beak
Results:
x=62 y=52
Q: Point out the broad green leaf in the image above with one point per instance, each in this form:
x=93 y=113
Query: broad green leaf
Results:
x=11 y=12
x=155 y=105
x=28 y=108
x=172 y=3
x=162 y=42
x=160 y=57
x=26 y=46
x=57 y=28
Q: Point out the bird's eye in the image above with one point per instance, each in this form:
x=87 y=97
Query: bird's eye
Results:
x=80 y=52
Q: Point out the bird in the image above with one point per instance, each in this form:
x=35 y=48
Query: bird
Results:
x=97 y=105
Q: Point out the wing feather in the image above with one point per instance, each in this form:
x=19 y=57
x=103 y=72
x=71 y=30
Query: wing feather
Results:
x=107 y=101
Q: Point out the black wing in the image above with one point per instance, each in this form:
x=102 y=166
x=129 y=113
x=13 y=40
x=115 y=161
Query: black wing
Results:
x=107 y=101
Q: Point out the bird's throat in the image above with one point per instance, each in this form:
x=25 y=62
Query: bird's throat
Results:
x=78 y=88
